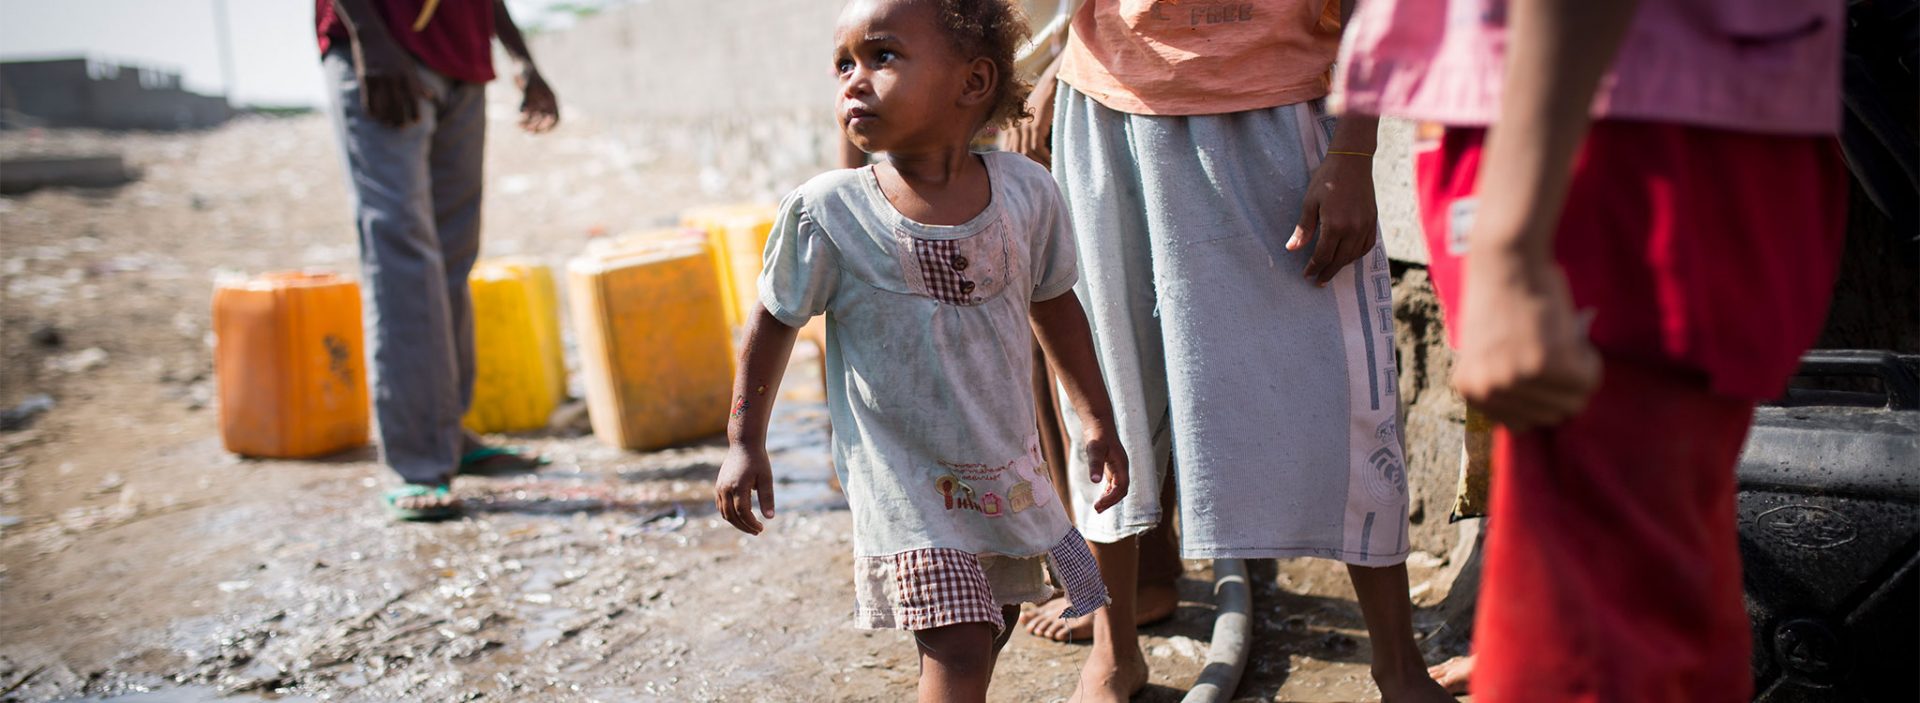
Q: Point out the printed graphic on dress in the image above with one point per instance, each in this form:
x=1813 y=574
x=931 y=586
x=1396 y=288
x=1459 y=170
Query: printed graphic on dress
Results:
x=957 y=486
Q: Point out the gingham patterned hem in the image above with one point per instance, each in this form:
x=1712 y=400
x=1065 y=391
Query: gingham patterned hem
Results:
x=1074 y=565
x=923 y=589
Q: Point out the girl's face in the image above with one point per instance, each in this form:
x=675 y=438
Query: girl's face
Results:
x=902 y=83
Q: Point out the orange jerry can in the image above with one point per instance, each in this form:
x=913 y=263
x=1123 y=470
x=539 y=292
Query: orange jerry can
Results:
x=655 y=351
x=519 y=373
x=289 y=363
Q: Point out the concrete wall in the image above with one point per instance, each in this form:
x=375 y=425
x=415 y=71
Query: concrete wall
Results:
x=740 y=91
x=83 y=93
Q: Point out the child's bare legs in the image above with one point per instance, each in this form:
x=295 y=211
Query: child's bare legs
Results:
x=1397 y=666
x=1158 y=594
x=1115 y=667
x=956 y=661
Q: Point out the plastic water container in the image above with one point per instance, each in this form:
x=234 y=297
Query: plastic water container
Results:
x=650 y=240
x=290 y=365
x=520 y=375
x=655 y=348
x=738 y=235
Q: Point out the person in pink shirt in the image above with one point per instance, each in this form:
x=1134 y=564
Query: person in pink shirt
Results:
x=1634 y=212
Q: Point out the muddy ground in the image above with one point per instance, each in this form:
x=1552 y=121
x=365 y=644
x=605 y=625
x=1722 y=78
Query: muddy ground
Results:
x=139 y=559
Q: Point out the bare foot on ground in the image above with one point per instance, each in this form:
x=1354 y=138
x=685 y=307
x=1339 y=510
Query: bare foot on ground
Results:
x=1103 y=680
x=1411 y=687
x=1452 y=674
x=1157 y=603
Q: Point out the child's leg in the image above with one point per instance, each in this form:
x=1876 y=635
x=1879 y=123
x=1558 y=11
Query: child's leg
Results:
x=1115 y=668
x=1397 y=665
x=1158 y=595
x=1009 y=614
x=956 y=662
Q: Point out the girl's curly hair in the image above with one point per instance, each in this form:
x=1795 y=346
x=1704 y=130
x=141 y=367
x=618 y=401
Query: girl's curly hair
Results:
x=994 y=29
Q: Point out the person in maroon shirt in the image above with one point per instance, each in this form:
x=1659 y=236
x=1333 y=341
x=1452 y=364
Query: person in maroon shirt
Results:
x=407 y=83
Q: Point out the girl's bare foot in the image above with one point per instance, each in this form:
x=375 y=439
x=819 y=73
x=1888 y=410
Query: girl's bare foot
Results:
x=1411 y=687
x=1452 y=674
x=1105 y=680
x=1157 y=603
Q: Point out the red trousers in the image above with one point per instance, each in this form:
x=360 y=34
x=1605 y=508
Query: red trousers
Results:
x=1612 y=561
x=1612 y=564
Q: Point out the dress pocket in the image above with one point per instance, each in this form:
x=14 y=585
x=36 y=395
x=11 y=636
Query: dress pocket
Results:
x=966 y=271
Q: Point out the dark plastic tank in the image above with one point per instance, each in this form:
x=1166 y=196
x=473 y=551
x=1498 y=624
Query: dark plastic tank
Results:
x=1829 y=513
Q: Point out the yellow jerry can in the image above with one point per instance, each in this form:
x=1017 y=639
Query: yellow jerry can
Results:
x=655 y=350
x=519 y=374
x=290 y=365
x=746 y=235
x=647 y=240
x=738 y=235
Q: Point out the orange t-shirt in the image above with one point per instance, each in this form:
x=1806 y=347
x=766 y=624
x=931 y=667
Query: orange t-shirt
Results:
x=1202 y=57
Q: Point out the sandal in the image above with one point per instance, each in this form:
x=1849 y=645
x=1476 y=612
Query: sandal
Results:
x=524 y=460
x=443 y=511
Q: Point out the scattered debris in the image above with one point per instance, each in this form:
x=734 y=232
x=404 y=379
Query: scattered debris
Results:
x=1187 y=647
x=21 y=415
x=21 y=439
x=46 y=335
x=79 y=362
x=1422 y=560
x=1338 y=645
x=109 y=483
x=571 y=419
x=10 y=489
x=22 y=681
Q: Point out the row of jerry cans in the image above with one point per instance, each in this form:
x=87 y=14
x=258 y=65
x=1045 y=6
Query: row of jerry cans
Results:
x=653 y=313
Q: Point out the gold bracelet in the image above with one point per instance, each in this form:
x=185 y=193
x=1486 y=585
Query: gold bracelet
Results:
x=1351 y=153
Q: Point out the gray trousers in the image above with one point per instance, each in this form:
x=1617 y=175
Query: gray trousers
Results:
x=416 y=206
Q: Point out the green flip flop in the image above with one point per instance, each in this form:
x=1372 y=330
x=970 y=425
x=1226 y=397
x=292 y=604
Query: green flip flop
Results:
x=393 y=497
x=472 y=460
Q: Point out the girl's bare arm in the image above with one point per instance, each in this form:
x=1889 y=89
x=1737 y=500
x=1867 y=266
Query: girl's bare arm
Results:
x=746 y=471
x=1061 y=326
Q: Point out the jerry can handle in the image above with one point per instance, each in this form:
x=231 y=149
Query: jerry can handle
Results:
x=1899 y=374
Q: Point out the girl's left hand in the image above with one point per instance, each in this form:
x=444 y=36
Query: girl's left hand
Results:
x=1339 y=207
x=744 y=473
x=1107 y=460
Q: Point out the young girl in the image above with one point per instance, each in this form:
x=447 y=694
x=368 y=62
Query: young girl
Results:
x=931 y=267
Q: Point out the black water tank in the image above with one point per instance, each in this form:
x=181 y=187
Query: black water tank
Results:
x=1830 y=534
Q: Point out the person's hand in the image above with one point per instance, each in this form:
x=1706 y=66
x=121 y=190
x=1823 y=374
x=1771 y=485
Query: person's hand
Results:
x=390 y=87
x=1339 y=207
x=744 y=472
x=539 y=109
x=1107 y=461
x=1525 y=360
x=1032 y=137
